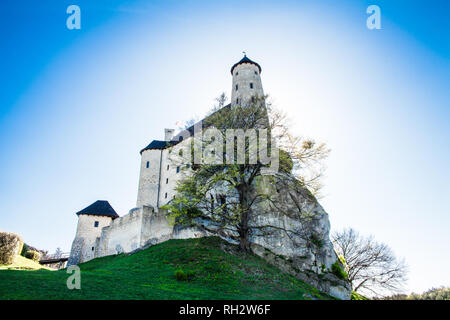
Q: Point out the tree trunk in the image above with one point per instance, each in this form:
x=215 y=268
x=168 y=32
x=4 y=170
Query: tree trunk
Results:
x=243 y=229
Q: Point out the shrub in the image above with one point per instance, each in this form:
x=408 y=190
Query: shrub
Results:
x=10 y=244
x=338 y=271
x=180 y=275
x=316 y=240
x=24 y=250
x=33 y=255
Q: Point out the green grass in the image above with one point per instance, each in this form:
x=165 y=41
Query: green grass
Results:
x=22 y=263
x=216 y=270
x=357 y=296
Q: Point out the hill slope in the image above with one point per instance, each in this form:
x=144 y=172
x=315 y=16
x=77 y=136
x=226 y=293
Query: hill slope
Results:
x=22 y=263
x=215 y=268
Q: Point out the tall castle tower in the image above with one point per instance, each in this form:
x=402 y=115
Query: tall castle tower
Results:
x=247 y=84
x=158 y=176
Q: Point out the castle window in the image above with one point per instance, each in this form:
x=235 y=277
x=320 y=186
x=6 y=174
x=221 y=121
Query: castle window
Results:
x=148 y=164
x=92 y=248
x=237 y=73
x=178 y=169
x=236 y=87
x=251 y=85
x=165 y=196
x=167 y=180
x=253 y=99
x=167 y=167
x=223 y=202
x=96 y=224
x=256 y=72
x=237 y=101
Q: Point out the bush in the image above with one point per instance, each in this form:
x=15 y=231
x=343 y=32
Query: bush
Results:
x=10 y=244
x=338 y=271
x=180 y=275
x=24 y=250
x=33 y=255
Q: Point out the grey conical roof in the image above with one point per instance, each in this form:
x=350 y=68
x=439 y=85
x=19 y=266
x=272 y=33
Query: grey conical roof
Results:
x=99 y=208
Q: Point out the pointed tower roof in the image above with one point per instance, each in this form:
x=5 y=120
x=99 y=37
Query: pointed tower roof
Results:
x=99 y=208
x=245 y=60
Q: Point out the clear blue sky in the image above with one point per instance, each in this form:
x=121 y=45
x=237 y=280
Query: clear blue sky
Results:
x=76 y=106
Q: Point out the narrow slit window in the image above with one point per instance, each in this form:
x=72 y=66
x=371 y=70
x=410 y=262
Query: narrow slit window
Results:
x=167 y=167
x=147 y=164
x=251 y=85
x=165 y=196
x=178 y=169
x=236 y=87
x=96 y=224
x=167 y=180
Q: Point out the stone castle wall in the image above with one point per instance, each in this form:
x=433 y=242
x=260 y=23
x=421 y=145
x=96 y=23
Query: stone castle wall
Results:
x=85 y=244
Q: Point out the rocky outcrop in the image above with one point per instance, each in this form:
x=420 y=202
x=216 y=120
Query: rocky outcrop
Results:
x=294 y=227
x=290 y=229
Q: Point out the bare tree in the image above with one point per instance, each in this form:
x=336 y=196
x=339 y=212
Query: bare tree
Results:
x=58 y=253
x=372 y=267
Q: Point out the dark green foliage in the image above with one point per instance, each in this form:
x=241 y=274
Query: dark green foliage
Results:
x=338 y=271
x=316 y=240
x=214 y=270
x=180 y=275
x=286 y=162
x=24 y=250
x=10 y=244
x=33 y=255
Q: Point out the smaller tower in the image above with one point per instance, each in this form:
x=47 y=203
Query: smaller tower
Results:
x=91 y=220
x=247 y=83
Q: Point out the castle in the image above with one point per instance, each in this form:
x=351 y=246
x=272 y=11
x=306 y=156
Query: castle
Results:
x=101 y=232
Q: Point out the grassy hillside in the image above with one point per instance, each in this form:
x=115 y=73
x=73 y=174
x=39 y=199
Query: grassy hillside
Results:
x=22 y=263
x=215 y=270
